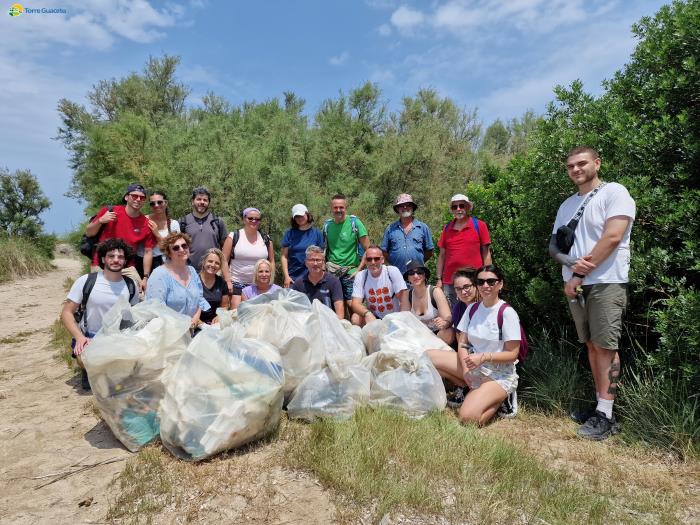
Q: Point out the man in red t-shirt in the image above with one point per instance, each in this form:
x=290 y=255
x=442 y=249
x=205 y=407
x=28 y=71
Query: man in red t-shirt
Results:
x=464 y=243
x=129 y=224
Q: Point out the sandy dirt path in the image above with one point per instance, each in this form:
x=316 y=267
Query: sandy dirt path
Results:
x=47 y=426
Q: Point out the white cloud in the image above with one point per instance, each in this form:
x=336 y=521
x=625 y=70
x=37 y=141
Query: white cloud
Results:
x=198 y=74
x=406 y=18
x=384 y=30
x=340 y=59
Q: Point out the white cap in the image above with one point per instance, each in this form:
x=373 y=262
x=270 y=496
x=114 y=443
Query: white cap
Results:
x=460 y=197
x=299 y=209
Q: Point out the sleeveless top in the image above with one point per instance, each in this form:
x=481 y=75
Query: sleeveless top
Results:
x=244 y=256
x=430 y=311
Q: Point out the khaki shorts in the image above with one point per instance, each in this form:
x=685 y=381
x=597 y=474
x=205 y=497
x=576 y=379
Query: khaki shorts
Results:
x=599 y=318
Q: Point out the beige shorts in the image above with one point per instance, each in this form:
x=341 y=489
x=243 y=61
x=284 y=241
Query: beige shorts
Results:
x=598 y=318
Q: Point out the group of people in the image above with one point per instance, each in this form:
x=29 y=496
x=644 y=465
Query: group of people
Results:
x=195 y=265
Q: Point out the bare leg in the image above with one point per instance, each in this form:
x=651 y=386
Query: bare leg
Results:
x=447 y=335
x=447 y=365
x=482 y=403
x=607 y=370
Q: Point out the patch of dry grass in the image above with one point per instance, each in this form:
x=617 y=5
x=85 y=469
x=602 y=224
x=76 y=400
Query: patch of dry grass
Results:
x=15 y=338
x=60 y=342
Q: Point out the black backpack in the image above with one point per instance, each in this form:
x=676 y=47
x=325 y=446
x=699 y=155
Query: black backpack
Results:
x=214 y=222
x=87 y=290
x=237 y=235
x=88 y=244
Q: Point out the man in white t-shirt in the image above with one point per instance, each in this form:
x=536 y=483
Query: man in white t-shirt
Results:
x=377 y=290
x=103 y=289
x=595 y=272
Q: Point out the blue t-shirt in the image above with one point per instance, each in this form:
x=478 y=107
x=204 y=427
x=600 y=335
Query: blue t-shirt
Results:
x=163 y=286
x=297 y=241
x=403 y=248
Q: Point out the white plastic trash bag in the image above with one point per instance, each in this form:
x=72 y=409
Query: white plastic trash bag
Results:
x=402 y=332
x=405 y=381
x=323 y=394
x=127 y=363
x=284 y=319
x=225 y=391
x=341 y=342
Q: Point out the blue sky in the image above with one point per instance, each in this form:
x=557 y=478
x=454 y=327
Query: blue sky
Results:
x=500 y=57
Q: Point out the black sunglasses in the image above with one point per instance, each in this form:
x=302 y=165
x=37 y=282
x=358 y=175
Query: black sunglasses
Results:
x=459 y=206
x=157 y=203
x=374 y=259
x=490 y=282
x=253 y=219
x=178 y=247
x=415 y=272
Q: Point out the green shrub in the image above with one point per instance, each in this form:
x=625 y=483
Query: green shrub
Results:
x=20 y=257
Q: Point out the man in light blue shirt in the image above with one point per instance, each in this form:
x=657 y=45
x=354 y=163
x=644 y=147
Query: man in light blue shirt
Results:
x=407 y=239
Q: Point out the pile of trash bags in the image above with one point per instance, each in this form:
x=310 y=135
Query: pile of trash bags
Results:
x=227 y=386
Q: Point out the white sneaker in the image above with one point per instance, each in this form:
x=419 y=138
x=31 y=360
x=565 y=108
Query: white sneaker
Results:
x=509 y=407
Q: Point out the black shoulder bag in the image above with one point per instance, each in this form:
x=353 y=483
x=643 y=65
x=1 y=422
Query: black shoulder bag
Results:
x=566 y=234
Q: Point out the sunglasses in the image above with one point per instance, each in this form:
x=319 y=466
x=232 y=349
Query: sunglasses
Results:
x=464 y=288
x=157 y=203
x=374 y=259
x=415 y=272
x=460 y=206
x=137 y=197
x=253 y=219
x=178 y=247
x=490 y=282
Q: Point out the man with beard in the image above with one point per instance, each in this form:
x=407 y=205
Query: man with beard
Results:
x=129 y=224
x=407 y=239
x=595 y=267
x=343 y=233
x=93 y=294
x=377 y=290
x=206 y=229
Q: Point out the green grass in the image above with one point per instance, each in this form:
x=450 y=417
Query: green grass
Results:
x=383 y=460
x=20 y=258
x=16 y=338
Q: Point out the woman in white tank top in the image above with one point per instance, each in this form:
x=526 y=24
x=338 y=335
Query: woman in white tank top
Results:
x=429 y=303
x=249 y=247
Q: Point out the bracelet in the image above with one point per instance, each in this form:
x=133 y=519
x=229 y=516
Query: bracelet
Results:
x=579 y=276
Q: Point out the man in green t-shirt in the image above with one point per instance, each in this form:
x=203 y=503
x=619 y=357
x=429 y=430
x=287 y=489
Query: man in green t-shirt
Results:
x=343 y=233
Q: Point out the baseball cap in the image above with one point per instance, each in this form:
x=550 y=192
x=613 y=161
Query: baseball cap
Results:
x=134 y=186
x=299 y=209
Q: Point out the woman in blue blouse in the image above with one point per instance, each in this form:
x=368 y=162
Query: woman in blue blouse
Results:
x=175 y=283
x=296 y=240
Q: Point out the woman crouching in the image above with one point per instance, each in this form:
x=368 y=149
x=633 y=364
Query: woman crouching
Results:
x=486 y=356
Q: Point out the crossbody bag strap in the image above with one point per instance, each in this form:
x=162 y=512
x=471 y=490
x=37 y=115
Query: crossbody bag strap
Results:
x=574 y=220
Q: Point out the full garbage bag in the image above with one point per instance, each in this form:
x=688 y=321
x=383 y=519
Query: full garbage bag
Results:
x=401 y=332
x=284 y=319
x=127 y=363
x=405 y=381
x=225 y=391
x=343 y=384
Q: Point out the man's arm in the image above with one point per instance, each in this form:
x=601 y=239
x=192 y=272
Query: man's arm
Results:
x=486 y=254
x=613 y=232
x=69 y=308
x=147 y=266
x=364 y=242
x=339 y=307
x=427 y=254
x=93 y=228
x=555 y=253
x=439 y=267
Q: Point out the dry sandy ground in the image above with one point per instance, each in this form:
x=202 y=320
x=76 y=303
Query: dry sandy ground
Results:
x=48 y=427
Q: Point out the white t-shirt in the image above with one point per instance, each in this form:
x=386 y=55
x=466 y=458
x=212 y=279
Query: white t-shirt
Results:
x=482 y=329
x=174 y=228
x=611 y=201
x=102 y=297
x=246 y=255
x=379 y=292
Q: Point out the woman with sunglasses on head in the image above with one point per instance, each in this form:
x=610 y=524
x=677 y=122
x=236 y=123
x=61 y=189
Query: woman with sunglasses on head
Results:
x=214 y=286
x=428 y=303
x=264 y=280
x=243 y=248
x=486 y=355
x=160 y=224
x=176 y=283
x=295 y=241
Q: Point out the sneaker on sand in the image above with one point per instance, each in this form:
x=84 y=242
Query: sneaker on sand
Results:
x=598 y=427
x=509 y=407
x=456 y=397
x=84 y=381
